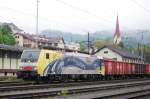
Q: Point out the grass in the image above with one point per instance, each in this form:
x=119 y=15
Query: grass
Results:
x=9 y=78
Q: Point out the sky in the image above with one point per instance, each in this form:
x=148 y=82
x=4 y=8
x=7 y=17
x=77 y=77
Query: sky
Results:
x=77 y=16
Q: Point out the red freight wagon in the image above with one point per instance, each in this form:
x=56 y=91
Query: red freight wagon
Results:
x=148 y=69
x=140 y=69
x=116 y=68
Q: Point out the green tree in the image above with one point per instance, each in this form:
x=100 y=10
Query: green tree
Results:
x=6 y=36
x=1 y=37
x=146 y=52
x=121 y=44
x=82 y=46
x=101 y=43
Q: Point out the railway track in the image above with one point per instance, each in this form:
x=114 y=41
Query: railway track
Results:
x=59 y=90
x=15 y=83
x=32 y=85
x=24 y=83
x=127 y=92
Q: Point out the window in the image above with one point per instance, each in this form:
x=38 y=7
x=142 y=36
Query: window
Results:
x=105 y=52
x=50 y=43
x=5 y=73
x=31 y=56
x=16 y=36
x=47 y=55
x=114 y=58
x=55 y=44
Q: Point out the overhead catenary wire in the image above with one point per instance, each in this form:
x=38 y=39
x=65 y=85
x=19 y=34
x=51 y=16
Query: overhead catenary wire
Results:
x=74 y=7
x=24 y=13
x=141 y=6
x=88 y=12
x=43 y=18
x=85 y=11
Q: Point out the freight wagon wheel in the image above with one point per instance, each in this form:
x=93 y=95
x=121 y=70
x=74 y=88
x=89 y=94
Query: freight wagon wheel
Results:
x=108 y=77
x=37 y=79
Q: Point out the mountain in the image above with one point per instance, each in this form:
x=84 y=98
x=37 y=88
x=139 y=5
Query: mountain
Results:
x=129 y=37
x=14 y=28
x=68 y=36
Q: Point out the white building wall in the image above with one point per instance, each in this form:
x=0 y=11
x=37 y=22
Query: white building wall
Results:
x=60 y=45
x=13 y=63
x=6 y=62
x=20 y=40
x=110 y=55
x=9 y=62
x=1 y=63
x=18 y=61
x=73 y=46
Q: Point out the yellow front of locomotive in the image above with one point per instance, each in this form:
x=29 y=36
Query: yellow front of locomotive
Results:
x=28 y=64
x=34 y=62
x=46 y=57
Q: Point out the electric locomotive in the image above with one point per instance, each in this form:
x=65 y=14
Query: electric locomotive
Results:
x=56 y=65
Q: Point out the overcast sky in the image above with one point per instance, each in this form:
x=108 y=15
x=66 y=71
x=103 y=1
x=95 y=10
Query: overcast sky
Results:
x=78 y=16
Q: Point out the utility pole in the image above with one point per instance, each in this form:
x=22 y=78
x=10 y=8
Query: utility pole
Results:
x=126 y=42
x=71 y=38
x=142 y=47
x=88 y=42
x=37 y=20
x=139 y=52
x=37 y=17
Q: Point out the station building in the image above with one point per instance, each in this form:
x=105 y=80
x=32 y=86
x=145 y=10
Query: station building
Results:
x=9 y=59
x=118 y=54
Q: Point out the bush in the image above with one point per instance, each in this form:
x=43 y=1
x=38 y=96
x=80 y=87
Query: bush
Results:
x=6 y=36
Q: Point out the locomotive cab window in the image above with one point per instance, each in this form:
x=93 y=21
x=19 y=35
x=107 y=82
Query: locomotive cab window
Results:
x=47 y=55
x=30 y=56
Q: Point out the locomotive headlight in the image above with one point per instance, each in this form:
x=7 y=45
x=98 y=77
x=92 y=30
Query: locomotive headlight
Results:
x=35 y=68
